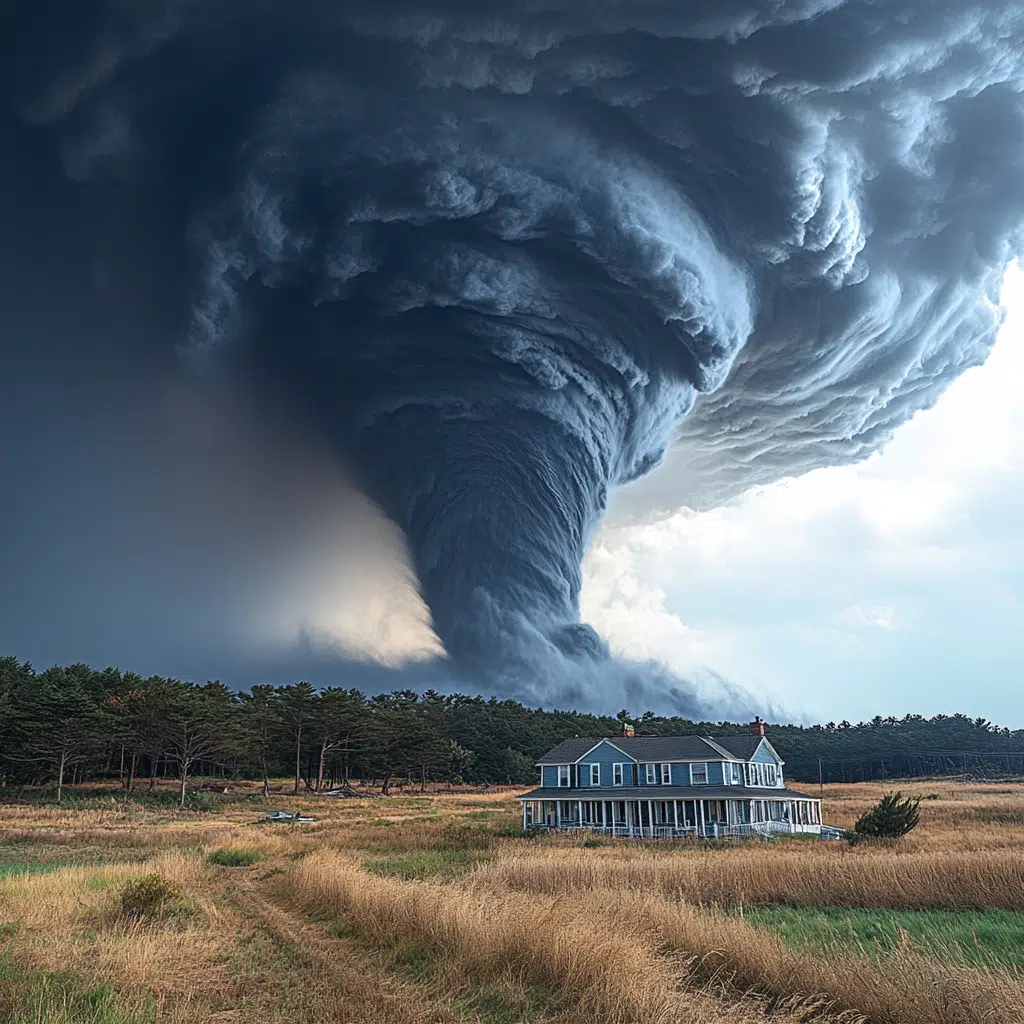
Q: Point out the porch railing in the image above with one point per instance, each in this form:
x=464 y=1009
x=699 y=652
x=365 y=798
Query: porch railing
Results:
x=711 y=830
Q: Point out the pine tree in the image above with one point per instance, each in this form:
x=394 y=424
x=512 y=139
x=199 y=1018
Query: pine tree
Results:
x=891 y=818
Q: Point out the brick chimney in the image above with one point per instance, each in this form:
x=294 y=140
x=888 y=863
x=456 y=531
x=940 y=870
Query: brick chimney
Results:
x=757 y=727
x=627 y=729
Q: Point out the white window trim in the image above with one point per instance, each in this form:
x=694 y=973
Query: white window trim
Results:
x=666 y=775
x=651 y=774
x=693 y=781
x=735 y=773
x=568 y=776
x=618 y=774
x=595 y=775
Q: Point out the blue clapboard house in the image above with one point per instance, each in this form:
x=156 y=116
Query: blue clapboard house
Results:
x=664 y=786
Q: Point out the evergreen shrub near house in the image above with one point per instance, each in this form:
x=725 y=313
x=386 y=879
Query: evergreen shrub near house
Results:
x=891 y=818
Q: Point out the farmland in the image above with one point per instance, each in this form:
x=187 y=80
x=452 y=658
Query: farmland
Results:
x=436 y=908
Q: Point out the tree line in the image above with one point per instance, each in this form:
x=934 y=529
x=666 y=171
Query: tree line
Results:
x=77 y=724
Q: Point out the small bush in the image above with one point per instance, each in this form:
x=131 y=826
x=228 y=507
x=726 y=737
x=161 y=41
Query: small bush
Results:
x=515 y=832
x=891 y=818
x=592 y=844
x=146 y=896
x=235 y=856
x=466 y=836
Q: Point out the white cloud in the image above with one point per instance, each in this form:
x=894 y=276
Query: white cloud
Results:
x=894 y=585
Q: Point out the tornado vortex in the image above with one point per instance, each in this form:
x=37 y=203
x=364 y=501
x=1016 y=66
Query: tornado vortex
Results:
x=501 y=256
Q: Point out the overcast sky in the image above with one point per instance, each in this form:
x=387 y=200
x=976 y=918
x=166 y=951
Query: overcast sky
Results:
x=893 y=586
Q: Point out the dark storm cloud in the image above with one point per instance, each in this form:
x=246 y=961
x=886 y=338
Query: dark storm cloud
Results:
x=497 y=260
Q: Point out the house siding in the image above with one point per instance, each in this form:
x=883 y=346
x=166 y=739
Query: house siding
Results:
x=681 y=773
x=764 y=755
x=605 y=755
x=549 y=778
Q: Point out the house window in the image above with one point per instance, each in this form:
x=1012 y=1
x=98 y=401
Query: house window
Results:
x=770 y=773
x=735 y=771
x=666 y=775
x=563 y=775
x=698 y=774
x=616 y=774
x=652 y=774
x=595 y=775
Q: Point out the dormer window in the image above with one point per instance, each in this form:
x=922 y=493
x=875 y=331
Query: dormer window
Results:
x=616 y=774
x=736 y=776
x=666 y=775
x=699 y=774
x=563 y=775
x=595 y=775
x=770 y=776
x=651 y=776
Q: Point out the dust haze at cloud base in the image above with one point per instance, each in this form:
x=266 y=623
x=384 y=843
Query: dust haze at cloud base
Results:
x=481 y=265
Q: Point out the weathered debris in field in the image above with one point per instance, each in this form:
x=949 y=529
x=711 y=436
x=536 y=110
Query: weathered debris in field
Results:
x=287 y=816
x=349 y=791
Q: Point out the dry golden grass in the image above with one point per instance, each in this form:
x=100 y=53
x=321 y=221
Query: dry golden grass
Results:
x=800 y=875
x=598 y=965
x=542 y=931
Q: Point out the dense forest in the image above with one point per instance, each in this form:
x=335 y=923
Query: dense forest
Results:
x=79 y=724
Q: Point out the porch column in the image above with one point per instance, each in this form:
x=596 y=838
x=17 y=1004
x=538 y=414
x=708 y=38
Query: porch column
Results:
x=604 y=814
x=628 y=805
x=580 y=805
x=700 y=804
x=524 y=815
x=675 y=813
x=650 y=815
x=558 y=814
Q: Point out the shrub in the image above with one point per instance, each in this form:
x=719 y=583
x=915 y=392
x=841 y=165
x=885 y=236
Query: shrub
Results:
x=235 y=856
x=146 y=896
x=891 y=818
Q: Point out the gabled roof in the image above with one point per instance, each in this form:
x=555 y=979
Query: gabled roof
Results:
x=652 y=748
x=569 y=751
x=741 y=747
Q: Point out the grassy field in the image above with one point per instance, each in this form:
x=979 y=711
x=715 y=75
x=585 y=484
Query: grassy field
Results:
x=435 y=909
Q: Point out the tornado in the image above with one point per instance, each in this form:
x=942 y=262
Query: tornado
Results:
x=504 y=258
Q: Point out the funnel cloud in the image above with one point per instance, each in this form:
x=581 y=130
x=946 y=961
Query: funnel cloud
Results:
x=489 y=262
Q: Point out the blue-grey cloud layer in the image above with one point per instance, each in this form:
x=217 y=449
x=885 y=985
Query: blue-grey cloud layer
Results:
x=500 y=255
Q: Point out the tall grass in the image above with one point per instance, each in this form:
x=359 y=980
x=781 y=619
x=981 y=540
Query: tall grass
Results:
x=895 y=988
x=593 y=972
x=604 y=950
x=760 y=876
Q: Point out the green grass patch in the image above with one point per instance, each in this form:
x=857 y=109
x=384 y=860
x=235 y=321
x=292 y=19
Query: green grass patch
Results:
x=435 y=865
x=982 y=938
x=28 y=867
x=235 y=856
x=62 y=997
x=502 y=1004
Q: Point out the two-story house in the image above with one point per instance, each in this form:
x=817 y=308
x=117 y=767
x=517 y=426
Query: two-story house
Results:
x=659 y=786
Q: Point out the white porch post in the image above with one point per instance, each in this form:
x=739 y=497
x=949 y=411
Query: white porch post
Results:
x=675 y=813
x=580 y=803
x=558 y=814
x=700 y=804
x=650 y=816
x=604 y=814
x=524 y=815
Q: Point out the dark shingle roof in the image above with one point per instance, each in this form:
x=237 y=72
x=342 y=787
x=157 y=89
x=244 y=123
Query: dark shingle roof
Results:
x=665 y=793
x=742 y=747
x=568 y=751
x=654 y=748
